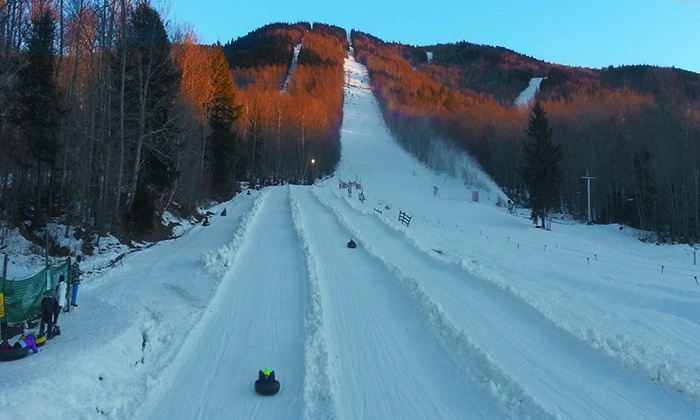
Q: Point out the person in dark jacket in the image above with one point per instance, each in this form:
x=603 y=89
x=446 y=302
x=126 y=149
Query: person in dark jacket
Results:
x=49 y=304
x=266 y=375
x=75 y=273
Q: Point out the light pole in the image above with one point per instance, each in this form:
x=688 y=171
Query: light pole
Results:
x=313 y=171
x=588 y=179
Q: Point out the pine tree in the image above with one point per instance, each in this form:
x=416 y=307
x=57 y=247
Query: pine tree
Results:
x=541 y=171
x=36 y=108
x=222 y=137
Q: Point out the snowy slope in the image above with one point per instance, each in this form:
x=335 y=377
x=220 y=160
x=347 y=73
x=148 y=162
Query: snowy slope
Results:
x=527 y=95
x=293 y=65
x=468 y=312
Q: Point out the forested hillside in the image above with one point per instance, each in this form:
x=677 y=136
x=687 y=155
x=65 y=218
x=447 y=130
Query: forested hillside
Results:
x=109 y=118
x=289 y=129
x=636 y=129
x=109 y=121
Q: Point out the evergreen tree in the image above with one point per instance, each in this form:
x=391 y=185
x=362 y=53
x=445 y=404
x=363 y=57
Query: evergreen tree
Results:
x=151 y=85
x=36 y=106
x=222 y=138
x=646 y=193
x=541 y=171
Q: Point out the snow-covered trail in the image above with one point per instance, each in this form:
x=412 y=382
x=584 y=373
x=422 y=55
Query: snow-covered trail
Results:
x=292 y=65
x=382 y=356
x=527 y=356
x=524 y=355
x=527 y=95
x=253 y=322
x=384 y=360
x=124 y=335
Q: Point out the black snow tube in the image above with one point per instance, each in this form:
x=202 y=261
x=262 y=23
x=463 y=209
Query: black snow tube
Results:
x=13 y=353
x=267 y=388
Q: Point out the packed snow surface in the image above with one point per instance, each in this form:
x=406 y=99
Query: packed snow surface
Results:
x=466 y=311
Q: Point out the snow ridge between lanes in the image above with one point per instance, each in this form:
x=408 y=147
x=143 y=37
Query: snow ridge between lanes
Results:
x=220 y=260
x=318 y=397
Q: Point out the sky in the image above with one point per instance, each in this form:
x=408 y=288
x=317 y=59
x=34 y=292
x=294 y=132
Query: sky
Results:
x=467 y=309
x=592 y=33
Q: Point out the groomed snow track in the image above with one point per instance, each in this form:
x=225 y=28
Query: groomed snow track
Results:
x=511 y=346
x=385 y=330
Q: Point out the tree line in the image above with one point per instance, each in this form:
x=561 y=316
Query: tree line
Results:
x=110 y=118
x=291 y=135
x=637 y=130
x=107 y=119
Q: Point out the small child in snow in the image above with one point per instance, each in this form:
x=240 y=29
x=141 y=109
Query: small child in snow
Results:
x=28 y=341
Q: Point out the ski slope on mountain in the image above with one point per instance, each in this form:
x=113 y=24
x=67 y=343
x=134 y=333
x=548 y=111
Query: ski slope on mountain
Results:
x=528 y=95
x=467 y=311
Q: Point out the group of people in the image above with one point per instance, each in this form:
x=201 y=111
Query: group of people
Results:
x=53 y=303
x=51 y=306
x=206 y=221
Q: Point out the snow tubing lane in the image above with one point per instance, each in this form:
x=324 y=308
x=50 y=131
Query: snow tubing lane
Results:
x=267 y=388
x=12 y=353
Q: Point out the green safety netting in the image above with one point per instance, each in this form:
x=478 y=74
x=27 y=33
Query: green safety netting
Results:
x=23 y=297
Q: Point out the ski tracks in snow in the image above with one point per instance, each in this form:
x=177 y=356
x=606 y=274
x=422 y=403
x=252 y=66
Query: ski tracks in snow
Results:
x=252 y=322
x=384 y=330
x=372 y=330
x=528 y=362
x=318 y=398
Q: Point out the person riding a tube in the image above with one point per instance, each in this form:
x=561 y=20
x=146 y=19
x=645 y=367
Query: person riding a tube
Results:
x=266 y=375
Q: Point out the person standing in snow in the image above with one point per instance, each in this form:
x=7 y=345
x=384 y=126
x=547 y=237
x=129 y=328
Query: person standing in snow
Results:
x=48 y=311
x=61 y=300
x=75 y=274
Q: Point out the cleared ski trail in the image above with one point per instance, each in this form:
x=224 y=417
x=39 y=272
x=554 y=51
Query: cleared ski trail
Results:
x=255 y=320
x=373 y=331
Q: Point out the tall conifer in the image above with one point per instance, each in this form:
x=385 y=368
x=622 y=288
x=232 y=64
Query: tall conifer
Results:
x=541 y=171
x=222 y=136
x=36 y=106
